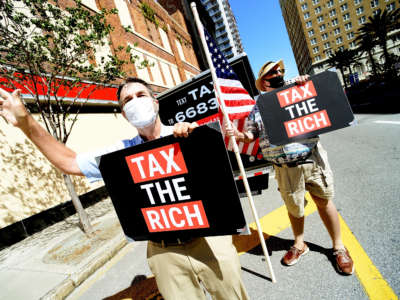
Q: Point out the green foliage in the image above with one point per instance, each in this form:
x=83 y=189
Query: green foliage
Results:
x=149 y=13
x=342 y=59
x=45 y=46
x=376 y=32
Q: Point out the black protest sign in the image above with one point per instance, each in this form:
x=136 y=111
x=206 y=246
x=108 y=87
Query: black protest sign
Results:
x=295 y=112
x=174 y=187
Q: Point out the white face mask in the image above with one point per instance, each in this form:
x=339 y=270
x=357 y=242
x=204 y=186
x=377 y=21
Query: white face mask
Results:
x=140 y=112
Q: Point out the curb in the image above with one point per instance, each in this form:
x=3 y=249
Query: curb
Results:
x=75 y=279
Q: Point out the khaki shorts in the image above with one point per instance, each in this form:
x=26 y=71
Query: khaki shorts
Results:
x=315 y=178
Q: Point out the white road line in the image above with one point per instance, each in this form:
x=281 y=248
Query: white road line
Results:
x=388 y=122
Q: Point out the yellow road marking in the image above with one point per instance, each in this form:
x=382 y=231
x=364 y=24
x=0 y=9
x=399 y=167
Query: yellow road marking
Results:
x=371 y=279
x=369 y=276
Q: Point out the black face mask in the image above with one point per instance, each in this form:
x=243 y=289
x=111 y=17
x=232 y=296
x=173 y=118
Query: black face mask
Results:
x=276 y=82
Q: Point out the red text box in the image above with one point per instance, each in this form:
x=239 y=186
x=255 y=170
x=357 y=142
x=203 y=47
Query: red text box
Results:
x=182 y=216
x=157 y=163
x=296 y=94
x=307 y=123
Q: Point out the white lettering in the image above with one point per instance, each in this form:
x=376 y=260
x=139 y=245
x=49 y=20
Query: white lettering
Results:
x=136 y=161
x=166 y=191
x=195 y=214
x=180 y=189
x=154 y=219
x=170 y=160
x=154 y=166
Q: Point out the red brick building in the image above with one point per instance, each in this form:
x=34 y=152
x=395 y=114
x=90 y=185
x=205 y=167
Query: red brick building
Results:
x=160 y=35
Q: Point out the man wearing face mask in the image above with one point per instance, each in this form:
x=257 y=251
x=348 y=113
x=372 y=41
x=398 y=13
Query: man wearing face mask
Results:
x=299 y=167
x=179 y=265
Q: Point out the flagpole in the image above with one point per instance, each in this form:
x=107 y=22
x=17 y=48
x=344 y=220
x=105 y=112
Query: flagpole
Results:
x=233 y=142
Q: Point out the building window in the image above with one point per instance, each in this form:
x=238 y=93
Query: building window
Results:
x=376 y=12
x=360 y=10
x=390 y=6
x=304 y=6
x=330 y=3
x=327 y=45
x=356 y=2
x=332 y=13
x=317 y=58
x=164 y=39
x=306 y=15
x=315 y=2
x=315 y=50
x=341 y=48
x=328 y=53
x=308 y=24
x=348 y=26
x=344 y=7
x=324 y=36
x=339 y=40
x=374 y=3
x=346 y=17
x=320 y=19
x=335 y=22
x=317 y=10
x=336 y=31
x=361 y=20
x=180 y=50
x=313 y=41
x=311 y=32
x=322 y=27
x=350 y=35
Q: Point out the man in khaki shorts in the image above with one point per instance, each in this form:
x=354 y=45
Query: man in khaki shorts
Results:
x=299 y=167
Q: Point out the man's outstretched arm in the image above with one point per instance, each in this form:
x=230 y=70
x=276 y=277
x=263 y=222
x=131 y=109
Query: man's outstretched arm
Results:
x=14 y=112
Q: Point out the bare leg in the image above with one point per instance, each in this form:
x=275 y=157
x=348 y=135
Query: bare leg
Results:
x=298 y=230
x=330 y=217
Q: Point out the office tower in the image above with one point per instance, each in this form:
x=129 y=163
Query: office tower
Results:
x=226 y=31
x=318 y=28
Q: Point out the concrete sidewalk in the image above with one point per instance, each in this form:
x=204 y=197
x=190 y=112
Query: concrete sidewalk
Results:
x=53 y=262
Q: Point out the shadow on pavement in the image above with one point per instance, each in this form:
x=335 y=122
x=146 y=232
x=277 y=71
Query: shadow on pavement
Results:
x=142 y=288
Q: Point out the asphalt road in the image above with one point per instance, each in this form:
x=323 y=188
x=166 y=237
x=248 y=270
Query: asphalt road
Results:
x=366 y=161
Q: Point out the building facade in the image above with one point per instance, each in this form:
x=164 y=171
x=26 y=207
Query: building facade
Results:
x=226 y=30
x=164 y=41
x=318 y=28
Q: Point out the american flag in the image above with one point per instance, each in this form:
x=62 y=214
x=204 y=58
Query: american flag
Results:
x=238 y=102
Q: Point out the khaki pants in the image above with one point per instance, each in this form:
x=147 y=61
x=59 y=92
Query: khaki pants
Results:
x=213 y=261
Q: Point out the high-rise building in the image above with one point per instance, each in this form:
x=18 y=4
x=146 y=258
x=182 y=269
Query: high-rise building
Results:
x=317 y=28
x=226 y=31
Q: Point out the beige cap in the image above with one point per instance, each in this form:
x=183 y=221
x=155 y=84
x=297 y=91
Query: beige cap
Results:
x=268 y=66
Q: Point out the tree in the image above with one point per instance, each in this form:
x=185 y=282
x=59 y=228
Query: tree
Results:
x=342 y=59
x=367 y=44
x=378 y=27
x=49 y=51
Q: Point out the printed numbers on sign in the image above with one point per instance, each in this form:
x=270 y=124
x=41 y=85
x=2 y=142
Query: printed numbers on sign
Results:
x=199 y=109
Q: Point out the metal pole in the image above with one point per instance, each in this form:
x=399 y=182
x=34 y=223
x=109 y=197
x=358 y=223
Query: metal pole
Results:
x=233 y=141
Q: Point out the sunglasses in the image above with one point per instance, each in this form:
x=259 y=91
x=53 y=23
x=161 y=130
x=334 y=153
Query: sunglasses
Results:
x=273 y=72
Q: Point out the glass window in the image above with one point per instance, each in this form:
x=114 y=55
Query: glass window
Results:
x=313 y=41
x=320 y=19
x=356 y=2
x=324 y=36
x=306 y=15
x=344 y=7
x=304 y=6
x=339 y=40
x=327 y=45
x=315 y=50
x=322 y=27
x=374 y=3
x=317 y=58
x=314 y=2
x=348 y=26
x=336 y=31
x=332 y=13
x=309 y=24
x=360 y=10
x=361 y=20
x=341 y=48
x=350 y=35
x=330 y=3
x=311 y=32
x=335 y=22
x=390 y=6
x=317 y=10
x=353 y=44
x=346 y=17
